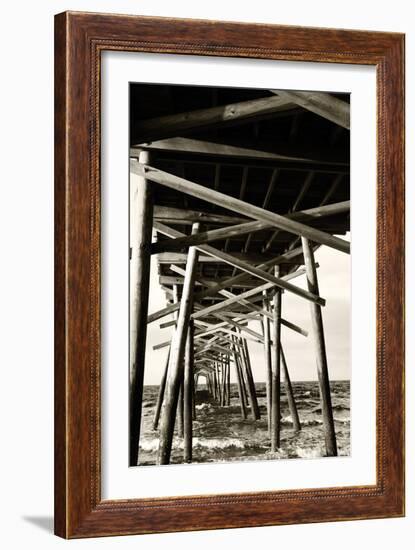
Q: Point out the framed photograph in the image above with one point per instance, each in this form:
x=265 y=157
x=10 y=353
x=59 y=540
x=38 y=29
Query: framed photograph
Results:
x=229 y=288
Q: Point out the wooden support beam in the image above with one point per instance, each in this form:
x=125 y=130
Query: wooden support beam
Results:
x=202 y=147
x=320 y=103
x=225 y=284
x=175 y=125
x=252 y=270
x=321 y=355
x=188 y=395
x=250 y=382
x=270 y=190
x=303 y=191
x=205 y=281
x=170 y=215
x=181 y=257
x=239 y=383
x=239 y=206
x=276 y=370
x=267 y=356
x=208 y=236
x=286 y=323
x=160 y=395
x=290 y=394
x=237 y=230
x=141 y=208
x=228 y=380
x=176 y=360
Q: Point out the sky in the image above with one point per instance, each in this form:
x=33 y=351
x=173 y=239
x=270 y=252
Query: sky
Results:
x=335 y=284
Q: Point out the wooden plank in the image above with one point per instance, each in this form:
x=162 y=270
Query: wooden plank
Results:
x=241 y=207
x=252 y=270
x=174 y=125
x=181 y=257
x=202 y=147
x=321 y=355
x=205 y=281
x=320 y=103
x=183 y=216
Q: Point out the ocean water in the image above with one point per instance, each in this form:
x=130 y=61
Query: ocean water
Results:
x=221 y=435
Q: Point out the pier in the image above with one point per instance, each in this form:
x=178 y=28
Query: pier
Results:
x=233 y=191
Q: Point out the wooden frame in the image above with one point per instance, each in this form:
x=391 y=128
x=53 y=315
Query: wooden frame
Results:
x=79 y=40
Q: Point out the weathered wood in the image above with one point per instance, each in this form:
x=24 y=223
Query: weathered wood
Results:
x=174 y=125
x=252 y=270
x=179 y=411
x=171 y=215
x=141 y=208
x=239 y=383
x=202 y=147
x=227 y=283
x=188 y=395
x=268 y=363
x=245 y=228
x=250 y=382
x=290 y=394
x=205 y=281
x=321 y=355
x=168 y=324
x=166 y=258
x=160 y=395
x=267 y=198
x=208 y=236
x=276 y=370
x=235 y=299
x=176 y=360
x=303 y=191
x=321 y=103
x=228 y=380
x=179 y=420
x=241 y=207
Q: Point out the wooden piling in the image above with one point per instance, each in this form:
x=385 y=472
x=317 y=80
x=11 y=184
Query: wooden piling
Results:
x=320 y=347
x=276 y=370
x=228 y=381
x=251 y=384
x=141 y=219
x=239 y=383
x=180 y=414
x=268 y=365
x=188 y=394
x=176 y=358
x=160 y=396
x=290 y=394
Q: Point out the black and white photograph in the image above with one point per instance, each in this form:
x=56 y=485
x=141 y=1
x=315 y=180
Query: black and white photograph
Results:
x=242 y=198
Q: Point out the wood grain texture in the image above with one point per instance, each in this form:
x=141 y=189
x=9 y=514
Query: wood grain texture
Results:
x=79 y=39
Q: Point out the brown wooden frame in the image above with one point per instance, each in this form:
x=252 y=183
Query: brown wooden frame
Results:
x=79 y=40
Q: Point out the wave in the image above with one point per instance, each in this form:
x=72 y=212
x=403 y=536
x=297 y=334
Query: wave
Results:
x=151 y=445
x=308 y=453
